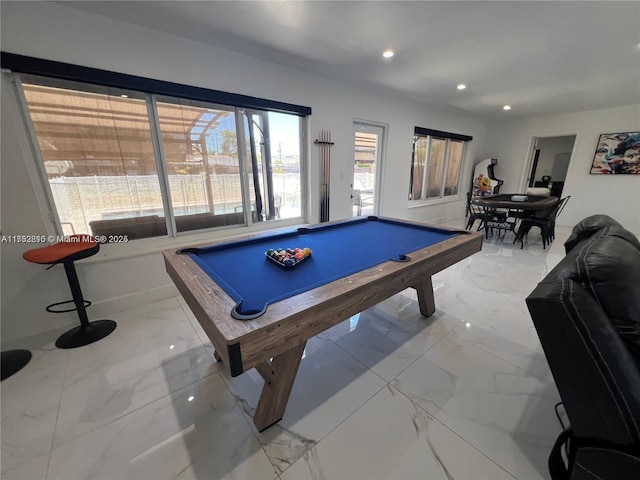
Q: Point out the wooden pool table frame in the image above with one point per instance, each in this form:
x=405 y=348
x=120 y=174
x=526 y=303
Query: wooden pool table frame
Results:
x=273 y=343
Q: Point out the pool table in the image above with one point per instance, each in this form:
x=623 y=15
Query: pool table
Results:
x=260 y=315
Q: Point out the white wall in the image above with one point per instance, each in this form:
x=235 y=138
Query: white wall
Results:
x=57 y=32
x=615 y=195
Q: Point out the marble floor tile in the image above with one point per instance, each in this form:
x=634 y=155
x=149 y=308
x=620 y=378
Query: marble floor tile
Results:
x=487 y=274
x=390 y=336
x=33 y=469
x=196 y=432
x=461 y=301
x=30 y=402
x=130 y=368
x=133 y=336
x=504 y=328
x=329 y=387
x=524 y=282
x=502 y=410
x=392 y=437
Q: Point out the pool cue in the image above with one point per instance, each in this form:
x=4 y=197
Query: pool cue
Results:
x=324 y=142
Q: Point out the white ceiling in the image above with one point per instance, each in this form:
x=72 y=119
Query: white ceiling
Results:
x=540 y=57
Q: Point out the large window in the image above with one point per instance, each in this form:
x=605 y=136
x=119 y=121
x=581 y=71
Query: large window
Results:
x=435 y=164
x=125 y=162
x=200 y=149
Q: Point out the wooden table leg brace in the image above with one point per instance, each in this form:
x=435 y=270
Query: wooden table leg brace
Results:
x=279 y=375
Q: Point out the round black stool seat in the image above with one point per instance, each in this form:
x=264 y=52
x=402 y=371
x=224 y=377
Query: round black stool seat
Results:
x=13 y=361
x=67 y=252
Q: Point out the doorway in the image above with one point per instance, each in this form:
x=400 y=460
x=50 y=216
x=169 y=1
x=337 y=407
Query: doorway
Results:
x=550 y=162
x=368 y=152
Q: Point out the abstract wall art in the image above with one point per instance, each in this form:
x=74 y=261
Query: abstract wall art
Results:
x=617 y=153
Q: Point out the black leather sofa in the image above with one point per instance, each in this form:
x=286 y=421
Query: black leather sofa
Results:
x=586 y=312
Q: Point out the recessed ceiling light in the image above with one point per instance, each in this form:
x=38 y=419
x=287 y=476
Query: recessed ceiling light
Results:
x=388 y=53
x=461 y=86
x=507 y=107
x=124 y=95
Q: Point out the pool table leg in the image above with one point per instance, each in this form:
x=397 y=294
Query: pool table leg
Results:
x=279 y=375
x=426 y=301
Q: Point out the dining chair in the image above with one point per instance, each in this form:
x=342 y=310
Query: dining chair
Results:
x=474 y=212
x=505 y=221
x=545 y=220
x=484 y=214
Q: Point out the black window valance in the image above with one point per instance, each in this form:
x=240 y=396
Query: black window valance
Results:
x=440 y=134
x=77 y=73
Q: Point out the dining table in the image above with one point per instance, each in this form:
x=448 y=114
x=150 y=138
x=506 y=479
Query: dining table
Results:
x=517 y=206
x=515 y=201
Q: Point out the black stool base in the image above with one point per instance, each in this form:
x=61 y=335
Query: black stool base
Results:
x=86 y=334
x=13 y=361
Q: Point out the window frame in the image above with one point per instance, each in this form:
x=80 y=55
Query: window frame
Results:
x=153 y=91
x=430 y=135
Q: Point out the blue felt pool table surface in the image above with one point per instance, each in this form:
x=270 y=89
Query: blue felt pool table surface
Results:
x=245 y=273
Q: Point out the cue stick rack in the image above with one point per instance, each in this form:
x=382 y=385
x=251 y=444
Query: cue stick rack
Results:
x=325 y=143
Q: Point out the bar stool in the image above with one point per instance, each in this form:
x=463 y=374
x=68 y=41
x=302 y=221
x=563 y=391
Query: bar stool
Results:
x=67 y=252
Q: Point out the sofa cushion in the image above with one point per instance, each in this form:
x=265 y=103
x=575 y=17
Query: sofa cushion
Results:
x=607 y=265
x=589 y=226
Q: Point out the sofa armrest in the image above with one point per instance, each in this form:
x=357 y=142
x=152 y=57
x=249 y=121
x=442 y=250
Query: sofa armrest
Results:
x=595 y=373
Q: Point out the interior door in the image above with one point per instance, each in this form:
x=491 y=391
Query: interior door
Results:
x=368 y=150
x=550 y=162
